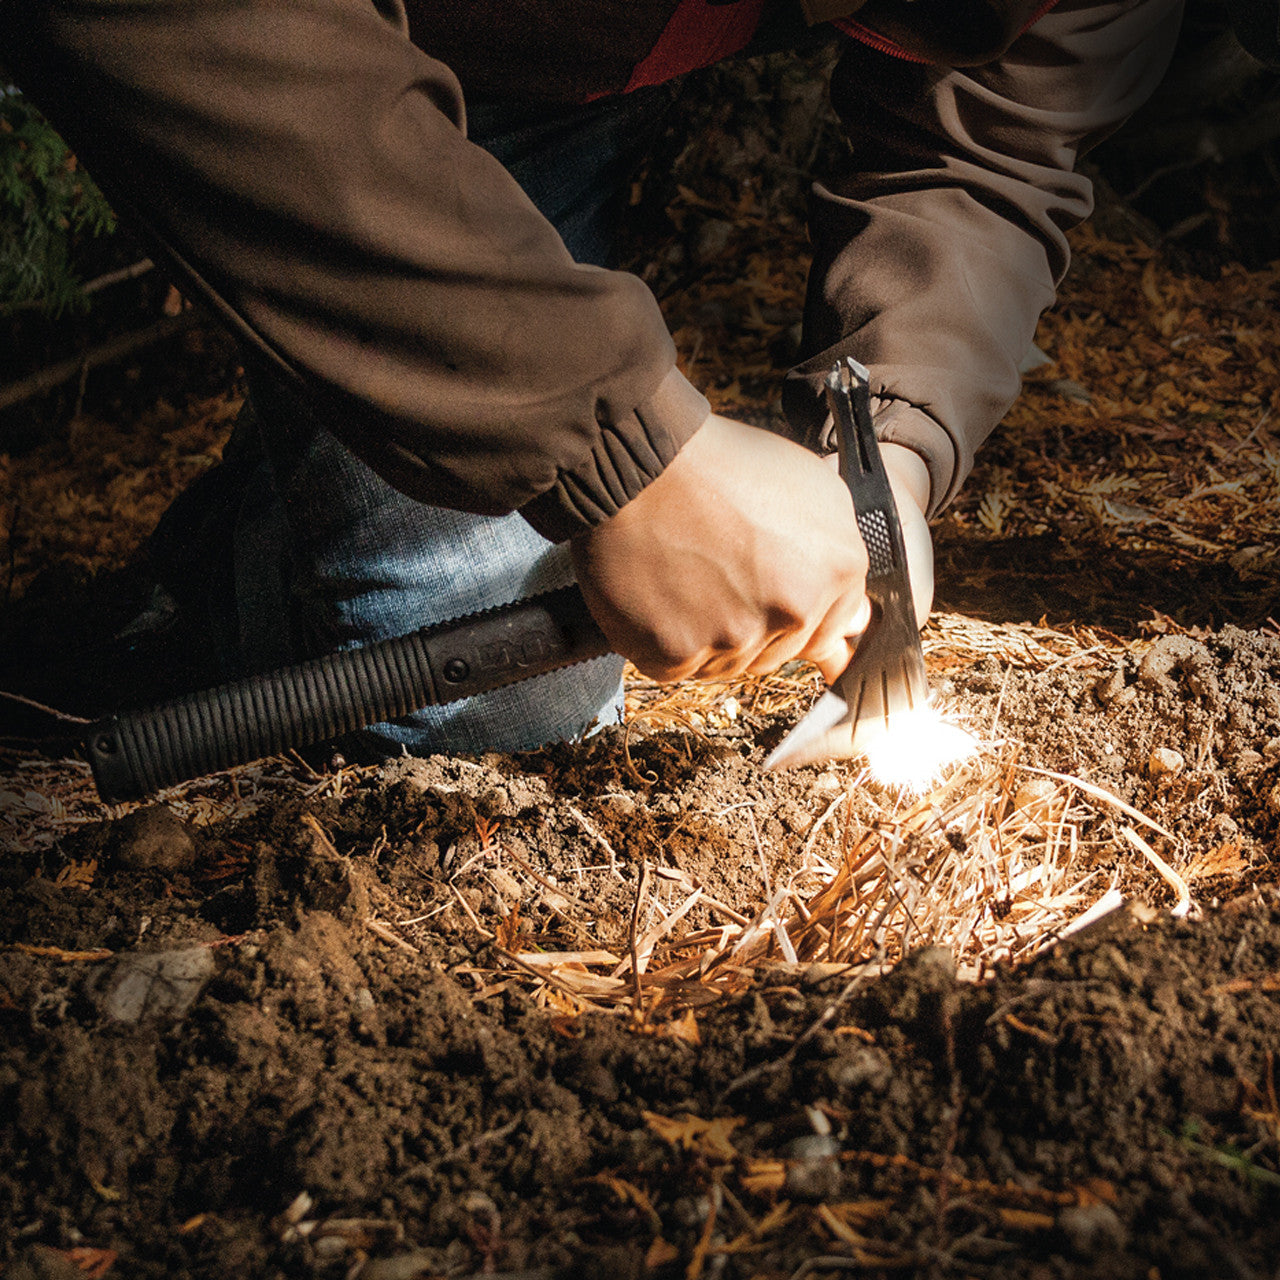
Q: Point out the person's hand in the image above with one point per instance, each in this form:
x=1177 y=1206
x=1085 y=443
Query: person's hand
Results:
x=742 y=555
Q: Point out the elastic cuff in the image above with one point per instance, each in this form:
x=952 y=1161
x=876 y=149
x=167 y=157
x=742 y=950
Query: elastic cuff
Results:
x=626 y=456
x=897 y=421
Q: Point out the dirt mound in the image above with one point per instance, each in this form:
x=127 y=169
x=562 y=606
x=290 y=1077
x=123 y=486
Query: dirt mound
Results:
x=392 y=1028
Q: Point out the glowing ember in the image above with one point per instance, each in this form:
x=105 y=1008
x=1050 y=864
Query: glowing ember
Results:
x=914 y=749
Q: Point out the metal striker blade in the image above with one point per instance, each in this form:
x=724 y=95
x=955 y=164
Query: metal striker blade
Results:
x=887 y=674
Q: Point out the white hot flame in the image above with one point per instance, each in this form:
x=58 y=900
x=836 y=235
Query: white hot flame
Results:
x=916 y=747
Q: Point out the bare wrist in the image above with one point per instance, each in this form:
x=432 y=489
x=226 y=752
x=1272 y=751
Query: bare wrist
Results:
x=909 y=470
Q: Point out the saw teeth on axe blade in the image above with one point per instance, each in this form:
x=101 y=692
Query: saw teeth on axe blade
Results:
x=887 y=674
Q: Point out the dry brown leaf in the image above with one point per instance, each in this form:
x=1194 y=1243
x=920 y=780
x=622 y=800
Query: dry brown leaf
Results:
x=708 y=1137
x=1225 y=860
x=77 y=875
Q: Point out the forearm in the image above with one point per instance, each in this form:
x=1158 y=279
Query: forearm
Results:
x=937 y=252
x=306 y=168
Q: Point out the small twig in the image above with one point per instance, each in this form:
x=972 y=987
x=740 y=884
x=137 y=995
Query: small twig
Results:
x=63 y=717
x=1183 y=905
x=487 y=934
x=631 y=940
x=545 y=883
x=713 y=905
x=1100 y=793
x=814 y=830
x=547 y=976
x=775 y=920
x=380 y=930
x=483 y=1139
x=595 y=834
x=645 y=945
x=105 y=281
x=827 y=1262
x=54 y=375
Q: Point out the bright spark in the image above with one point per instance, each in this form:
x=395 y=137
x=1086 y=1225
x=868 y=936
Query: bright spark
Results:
x=916 y=748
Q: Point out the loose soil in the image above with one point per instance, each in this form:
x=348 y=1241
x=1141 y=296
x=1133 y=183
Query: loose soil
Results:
x=294 y=1042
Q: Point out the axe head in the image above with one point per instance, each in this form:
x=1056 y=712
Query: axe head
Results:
x=886 y=675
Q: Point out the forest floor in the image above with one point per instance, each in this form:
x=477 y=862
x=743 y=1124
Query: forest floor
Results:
x=636 y=1007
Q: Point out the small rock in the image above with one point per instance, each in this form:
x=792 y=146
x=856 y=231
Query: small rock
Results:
x=153 y=839
x=1164 y=761
x=1185 y=656
x=506 y=884
x=861 y=1069
x=158 y=984
x=813 y=1167
x=619 y=802
x=1246 y=762
x=1271 y=750
x=407 y=1266
x=1167 y=653
x=1092 y=1230
x=812 y=1146
x=555 y=902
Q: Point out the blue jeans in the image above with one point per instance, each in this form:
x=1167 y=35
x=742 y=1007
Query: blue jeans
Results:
x=327 y=555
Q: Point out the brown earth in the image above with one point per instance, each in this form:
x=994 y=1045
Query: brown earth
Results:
x=318 y=999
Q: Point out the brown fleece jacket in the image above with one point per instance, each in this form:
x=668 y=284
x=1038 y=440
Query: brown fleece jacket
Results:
x=305 y=164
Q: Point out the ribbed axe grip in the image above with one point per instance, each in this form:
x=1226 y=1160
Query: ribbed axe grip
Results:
x=136 y=753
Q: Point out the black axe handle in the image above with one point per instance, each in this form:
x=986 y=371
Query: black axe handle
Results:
x=136 y=753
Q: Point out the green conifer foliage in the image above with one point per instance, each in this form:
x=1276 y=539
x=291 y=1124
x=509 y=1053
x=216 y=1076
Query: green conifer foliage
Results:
x=46 y=200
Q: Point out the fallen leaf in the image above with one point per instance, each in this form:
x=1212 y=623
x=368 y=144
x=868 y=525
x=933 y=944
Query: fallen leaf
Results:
x=708 y=1137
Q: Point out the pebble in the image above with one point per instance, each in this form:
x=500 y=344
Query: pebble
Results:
x=408 y=1266
x=1036 y=799
x=813 y=1167
x=862 y=1068
x=1112 y=691
x=1165 y=761
x=1092 y=1229
x=153 y=839
x=1167 y=653
x=157 y=984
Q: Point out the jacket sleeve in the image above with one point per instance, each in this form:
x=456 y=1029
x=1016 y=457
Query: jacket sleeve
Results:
x=306 y=168
x=939 y=248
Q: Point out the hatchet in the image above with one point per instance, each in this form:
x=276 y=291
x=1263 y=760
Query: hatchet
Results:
x=133 y=754
x=886 y=675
